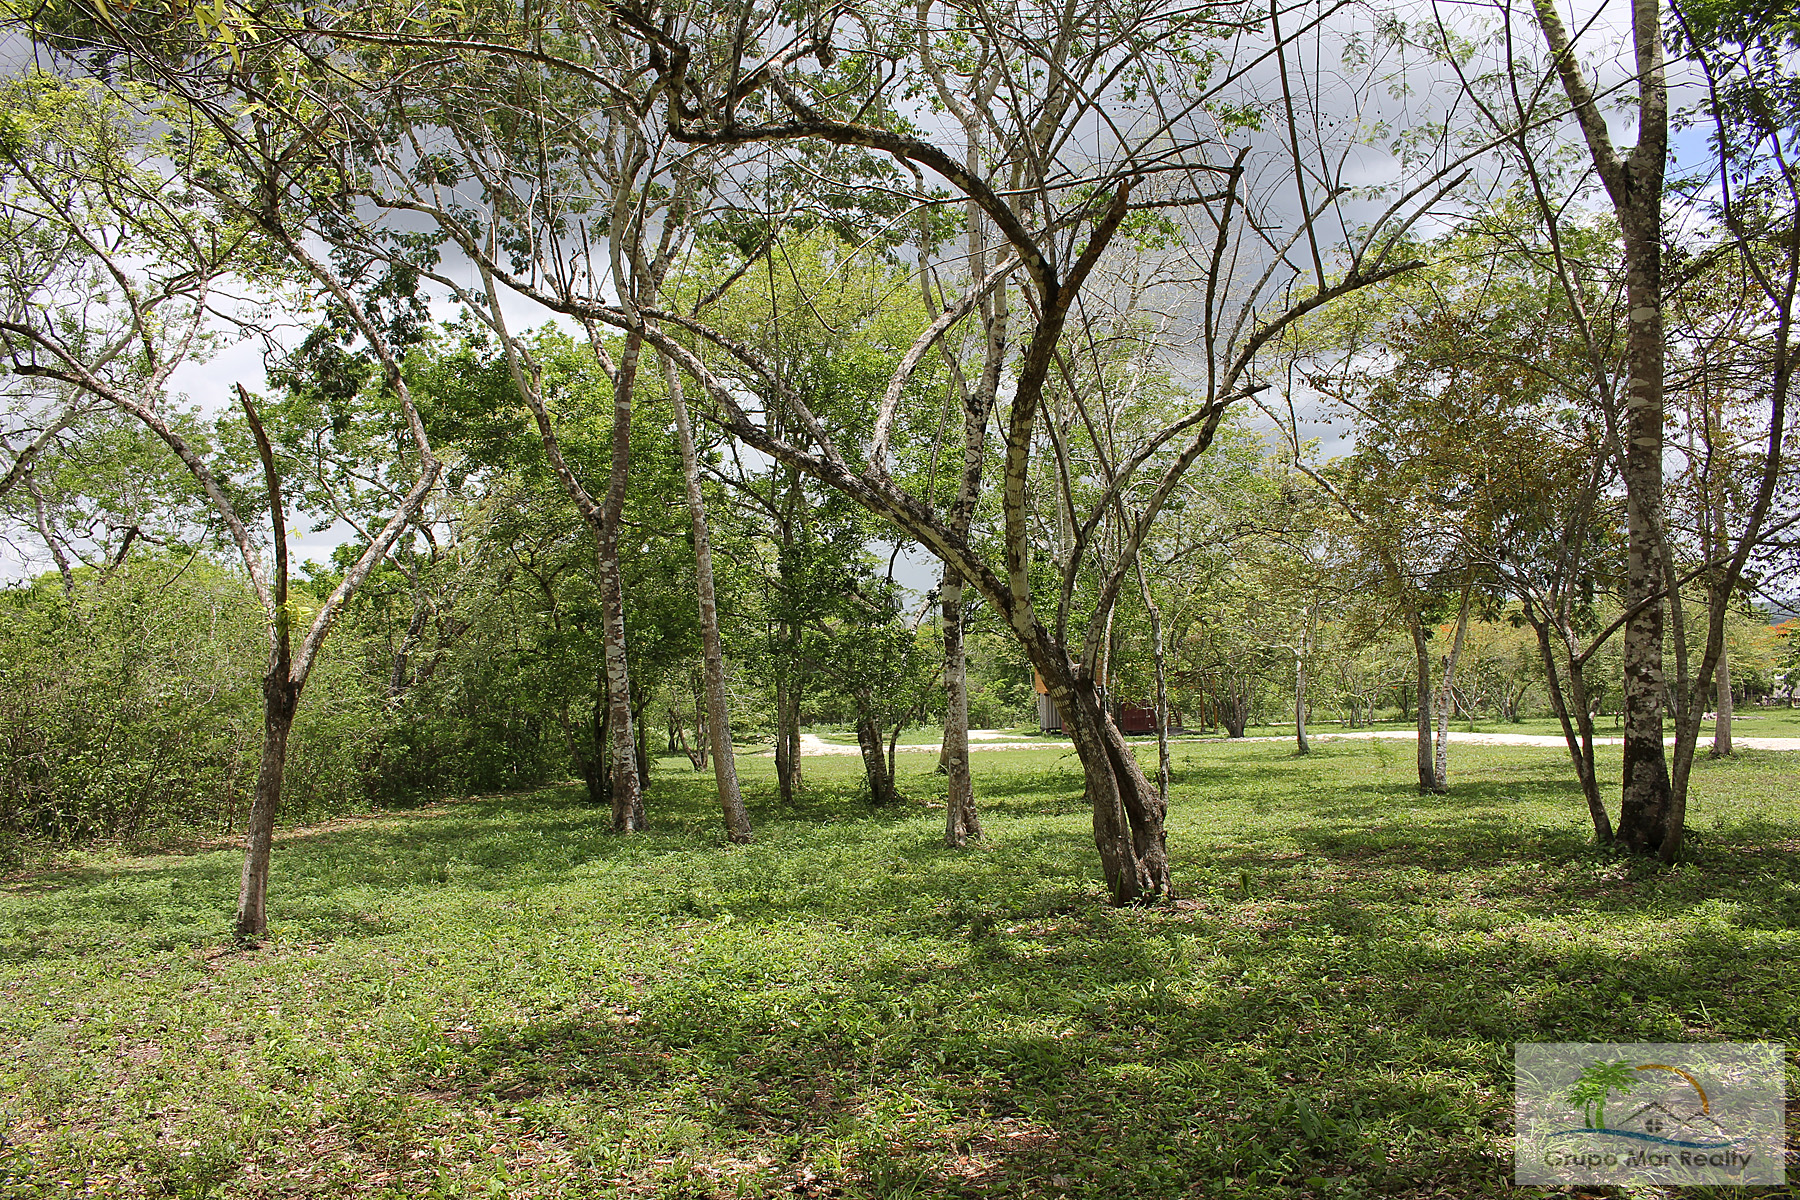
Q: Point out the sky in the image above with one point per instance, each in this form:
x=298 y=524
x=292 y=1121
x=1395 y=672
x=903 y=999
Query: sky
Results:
x=210 y=385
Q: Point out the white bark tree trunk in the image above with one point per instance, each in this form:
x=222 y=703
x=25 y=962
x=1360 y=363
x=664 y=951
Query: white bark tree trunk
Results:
x=712 y=647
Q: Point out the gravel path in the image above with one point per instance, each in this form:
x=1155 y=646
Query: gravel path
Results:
x=993 y=739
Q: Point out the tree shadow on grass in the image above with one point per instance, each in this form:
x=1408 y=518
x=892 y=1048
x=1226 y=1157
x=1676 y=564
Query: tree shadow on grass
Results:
x=981 y=1022
x=1090 y=1053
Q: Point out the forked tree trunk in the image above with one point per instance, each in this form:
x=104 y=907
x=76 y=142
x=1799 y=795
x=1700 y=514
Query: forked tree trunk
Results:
x=712 y=647
x=1128 y=813
x=1234 y=711
x=788 y=772
x=874 y=755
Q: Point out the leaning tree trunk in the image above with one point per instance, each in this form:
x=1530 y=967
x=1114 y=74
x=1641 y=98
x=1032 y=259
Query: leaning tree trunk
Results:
x=642 y=733
x=712 y=647
x=1571 y=709
x=1158 y=660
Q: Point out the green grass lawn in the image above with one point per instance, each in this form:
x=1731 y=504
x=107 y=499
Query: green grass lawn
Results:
x=1747 y=722
x=498 y=997
x=932 y=735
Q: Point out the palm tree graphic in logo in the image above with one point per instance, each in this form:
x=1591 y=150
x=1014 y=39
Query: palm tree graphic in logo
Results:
x=1596 y=1086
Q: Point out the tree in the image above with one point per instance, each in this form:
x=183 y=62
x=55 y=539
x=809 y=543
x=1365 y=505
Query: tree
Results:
x=1246 y=225
x=108 y=164
x=1737 y=55
x=1595 y=1087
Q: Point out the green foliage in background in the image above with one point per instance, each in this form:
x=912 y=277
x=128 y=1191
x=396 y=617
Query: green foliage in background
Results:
x=131 y=709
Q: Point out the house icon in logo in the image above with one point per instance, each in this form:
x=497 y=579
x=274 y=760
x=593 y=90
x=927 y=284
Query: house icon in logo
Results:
x=1658 y=1118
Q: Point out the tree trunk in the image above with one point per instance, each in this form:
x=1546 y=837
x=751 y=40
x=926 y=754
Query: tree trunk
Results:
x=1644 y=812
x=1428 y=776
x=1577 y=720
x=1128 y=813
x=1441 y=760
x=1721 y=746
x=787 y=733
x=281 y=696
x=1157 y=657
x=642 y=744
x=786 y=760
x=1634 y=183
x=703 y=738
x=1300 y=744
x=869 y=741
x=624 y=787
x=678 y=740
x=400 y=678
x=593 y=762
x=627 y=785
x=1234 y=710
x=712 y=647
x=960 y=821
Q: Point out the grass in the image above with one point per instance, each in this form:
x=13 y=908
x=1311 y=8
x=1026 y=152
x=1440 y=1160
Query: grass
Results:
x=933 y=735
x=1748 y=722
x=497 y=997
